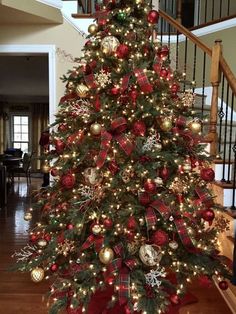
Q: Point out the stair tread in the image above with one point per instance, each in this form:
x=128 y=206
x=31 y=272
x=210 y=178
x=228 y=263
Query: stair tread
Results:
x=224 y=185
x=82 y=16
x=221 y=161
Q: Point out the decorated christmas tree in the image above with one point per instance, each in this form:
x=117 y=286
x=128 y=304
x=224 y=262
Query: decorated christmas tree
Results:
x=129 y=217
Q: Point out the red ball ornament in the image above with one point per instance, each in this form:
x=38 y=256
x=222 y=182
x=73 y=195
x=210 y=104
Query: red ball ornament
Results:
x=122 y=51
x=207 y=174
x=174 y=88
x=113 y=167
x=208 y=215
x=160 y=237
x=150 y=186
x=133 y=95
x=174 y=299
x=163 y=52
x=108 y=223
x=54 y=267
x=102 y=22
x=139 y=128
x=59 y=145
x=164 y=173
x=115 y=91
x=62 y=127
x=164 y=73
x=144 y=198
x=223 y=285
x=47 y=237
x=54 y=172
x=70 y=226
x=153 y=17
x=132 y=223
x=33 y=238
x=68 y=181
x=109 y=279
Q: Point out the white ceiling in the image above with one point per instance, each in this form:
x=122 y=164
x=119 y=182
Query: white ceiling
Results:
x=24 y=78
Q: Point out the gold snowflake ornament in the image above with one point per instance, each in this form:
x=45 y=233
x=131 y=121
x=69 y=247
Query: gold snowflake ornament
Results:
x=65 y=247
x=103 y=78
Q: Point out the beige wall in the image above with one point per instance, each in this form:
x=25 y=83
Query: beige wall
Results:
x=63 y=36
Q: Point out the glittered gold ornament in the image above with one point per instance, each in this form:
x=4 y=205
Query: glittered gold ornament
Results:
x=37 y=274
x=92 y=176
x=96 y=128
x=42 y=243
x=150 y=255
x=166 y=124
x=195 y=126
x=92 y=29
x=28 y=216
x=82 y=90
x=109 y=44
x=106 y=255
x=173 y=245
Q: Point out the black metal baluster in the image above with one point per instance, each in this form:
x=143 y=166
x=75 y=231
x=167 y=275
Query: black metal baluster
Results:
x=198 y=13
x=185 y=62
x=234 y=180
x=169 y=35
x=203 y=83
x=213 y=10
x=225 y=134
x=194 y=66
x=230 y=138
x=205 y=11
x=228 y=11
x=177 y=51
x=161 y=27
x=220 y=13
x=221 y=113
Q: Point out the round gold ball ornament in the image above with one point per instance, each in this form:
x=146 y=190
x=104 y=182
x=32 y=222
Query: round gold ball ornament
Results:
x=195 y=126
x=37 y=274
x=28 y=216
x=166 y=124
x=82 y=90
x=95 y=129
x=109 y=44
x=150 y=255
x=106 y=255
x=92 y=29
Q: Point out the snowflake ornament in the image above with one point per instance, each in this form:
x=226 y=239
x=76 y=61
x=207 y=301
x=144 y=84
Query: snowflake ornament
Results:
x=151 y=142
x=24 y=254
x=66 y=247
x=103 y=78
x=188 y=98
x=153 y=278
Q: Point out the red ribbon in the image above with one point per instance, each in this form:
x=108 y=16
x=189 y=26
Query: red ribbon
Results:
x=98 y=242
x=183 y=234
x=204 y=197
x=90 y=81
x=143 y=81
x=117 y=126
x=161 y=207
x=150 y=217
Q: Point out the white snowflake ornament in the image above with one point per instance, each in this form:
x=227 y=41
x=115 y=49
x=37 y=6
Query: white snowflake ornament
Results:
x=103 y=78
x=153 y=278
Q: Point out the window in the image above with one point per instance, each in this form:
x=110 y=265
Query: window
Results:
x=20 y=132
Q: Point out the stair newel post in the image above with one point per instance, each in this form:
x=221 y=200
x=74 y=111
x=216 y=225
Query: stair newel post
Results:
x=179 y=11
x=215 y=81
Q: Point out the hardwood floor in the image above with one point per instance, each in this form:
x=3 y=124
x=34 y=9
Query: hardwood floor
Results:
x=19 y=295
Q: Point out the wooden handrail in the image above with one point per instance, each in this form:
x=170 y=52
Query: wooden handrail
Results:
x=230 y=77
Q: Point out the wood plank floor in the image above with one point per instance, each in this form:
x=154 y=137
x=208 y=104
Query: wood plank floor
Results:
x=19 y=295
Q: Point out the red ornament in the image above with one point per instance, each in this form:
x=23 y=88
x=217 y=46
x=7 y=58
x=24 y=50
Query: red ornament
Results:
x=164 y=73
x=223 y=285
x=144 y=198
x=54 y=172
x=47 y=237
x=62 y=127
x=115 y=91
x=70 y=226
x=174 y=88
x=160 y=237
x=180 y=122
x=164 y=173
x=174 y=299
x=139 y=128
x=113 y=167
x=108 y=223
x=150 y=186
x=54 y=267
x=59 y=145
x=68 y=181
x=132 y=223
x=122 y=51
x=33 y=238
x=102 y=22
x=109 y=279
x=163 y=52
x=133 y=95
x=207 y=174
x=153 y=17
x=208 y=215
x=157 y=67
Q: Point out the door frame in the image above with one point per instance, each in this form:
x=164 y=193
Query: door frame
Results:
x=50 y=51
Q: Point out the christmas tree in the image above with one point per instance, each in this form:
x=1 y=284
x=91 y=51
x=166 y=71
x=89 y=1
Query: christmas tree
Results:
x=129 y=214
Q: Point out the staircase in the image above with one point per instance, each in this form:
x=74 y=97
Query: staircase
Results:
x=214 y=84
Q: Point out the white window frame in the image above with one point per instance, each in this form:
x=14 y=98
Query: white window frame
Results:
x=20 y=114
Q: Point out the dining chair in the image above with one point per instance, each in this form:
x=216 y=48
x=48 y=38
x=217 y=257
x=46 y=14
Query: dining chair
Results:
x=23 y=168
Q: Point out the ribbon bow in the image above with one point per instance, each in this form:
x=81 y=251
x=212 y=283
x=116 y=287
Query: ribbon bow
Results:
x=98 y=242
x=118 y=126
x=142 y=81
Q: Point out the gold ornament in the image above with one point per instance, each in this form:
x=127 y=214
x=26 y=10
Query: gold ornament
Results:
x=127 y=174
x=158 y=181
x=70 y=85
x=138 y=1
x=92 y=29
x=195 y=126
x=96 y=229
x=96 y=128
x=82 y=90
x=150 y=255
x=65 y=247
x=37 y=274
x=166 y=124
x=133 y=247
x=173 y=245
x=106 y=255
x=46 y=168
x=92 y=176
x=28 y=216
x=187 y=167
x=158 y=146
x=42 y=243
x=109 y=44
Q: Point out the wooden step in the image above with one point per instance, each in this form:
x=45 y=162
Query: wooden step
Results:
x=82 y=16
